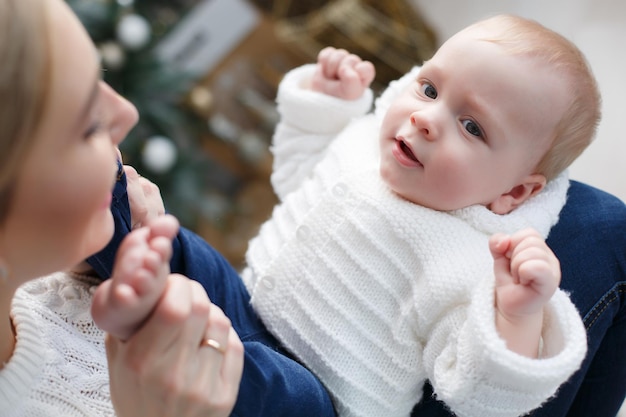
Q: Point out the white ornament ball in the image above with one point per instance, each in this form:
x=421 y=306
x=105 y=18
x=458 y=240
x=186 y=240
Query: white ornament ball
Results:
x=133 y=31
x=112 y=55
x=159 y=154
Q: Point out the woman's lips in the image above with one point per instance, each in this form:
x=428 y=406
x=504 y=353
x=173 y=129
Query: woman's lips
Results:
x=404 y=154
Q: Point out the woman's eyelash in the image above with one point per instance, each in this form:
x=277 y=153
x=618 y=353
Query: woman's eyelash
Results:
x=93 y=129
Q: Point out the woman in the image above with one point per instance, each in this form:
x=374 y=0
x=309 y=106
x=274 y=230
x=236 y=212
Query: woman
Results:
x=59 y=129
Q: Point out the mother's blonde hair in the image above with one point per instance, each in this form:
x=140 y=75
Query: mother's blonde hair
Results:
x=24 y=69
x=577 y=126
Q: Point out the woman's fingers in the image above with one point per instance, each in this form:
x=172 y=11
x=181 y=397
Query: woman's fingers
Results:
x=164 y=368
x=222 y=363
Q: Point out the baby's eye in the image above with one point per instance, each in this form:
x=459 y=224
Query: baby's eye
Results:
x=429 y=91
x=472 y=128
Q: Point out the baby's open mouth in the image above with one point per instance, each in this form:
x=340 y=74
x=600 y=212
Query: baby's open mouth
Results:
x=407 y=151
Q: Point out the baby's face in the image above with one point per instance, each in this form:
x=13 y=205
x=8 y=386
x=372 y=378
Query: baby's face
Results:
x=474 y=124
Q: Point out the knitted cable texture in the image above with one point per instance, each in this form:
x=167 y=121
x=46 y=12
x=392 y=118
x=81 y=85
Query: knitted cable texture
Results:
x=59 y=365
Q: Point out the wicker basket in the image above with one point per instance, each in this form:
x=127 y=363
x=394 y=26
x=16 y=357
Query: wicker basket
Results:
x=390 y=33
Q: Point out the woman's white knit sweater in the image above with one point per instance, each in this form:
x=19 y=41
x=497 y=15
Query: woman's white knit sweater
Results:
x=59 y=365
x=375 y=294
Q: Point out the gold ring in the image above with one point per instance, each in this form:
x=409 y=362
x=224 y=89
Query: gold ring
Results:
x=212 y=343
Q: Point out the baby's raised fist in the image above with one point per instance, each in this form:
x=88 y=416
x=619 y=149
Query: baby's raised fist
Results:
x=342 y=74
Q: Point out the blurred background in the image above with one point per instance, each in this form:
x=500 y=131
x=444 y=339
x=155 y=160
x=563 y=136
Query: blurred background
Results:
x=203 y=75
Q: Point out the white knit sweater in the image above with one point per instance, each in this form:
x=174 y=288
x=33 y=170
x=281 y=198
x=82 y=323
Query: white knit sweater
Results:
x=59 y=365
x=375 y=294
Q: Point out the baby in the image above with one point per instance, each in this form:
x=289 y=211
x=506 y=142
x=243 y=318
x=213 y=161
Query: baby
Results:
x=409 y=242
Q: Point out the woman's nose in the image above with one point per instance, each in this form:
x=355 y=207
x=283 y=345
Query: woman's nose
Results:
x=124 y=115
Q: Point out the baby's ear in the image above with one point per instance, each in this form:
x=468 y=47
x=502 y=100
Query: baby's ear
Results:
x=508 y=201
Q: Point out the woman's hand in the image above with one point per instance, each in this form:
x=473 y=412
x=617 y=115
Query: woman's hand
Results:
x=164 y=369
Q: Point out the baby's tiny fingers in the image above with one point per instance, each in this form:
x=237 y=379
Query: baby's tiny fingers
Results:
x=499 y=244
x=323 y=55
x=350 y=61
x=366 y=71
x=540 y=276
x=332 y=63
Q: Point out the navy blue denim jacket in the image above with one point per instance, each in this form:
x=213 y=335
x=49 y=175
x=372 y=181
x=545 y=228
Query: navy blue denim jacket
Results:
x=589 y=240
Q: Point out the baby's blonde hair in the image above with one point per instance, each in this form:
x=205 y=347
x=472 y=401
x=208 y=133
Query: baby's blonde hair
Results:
x=24 y=68
x=576 y=128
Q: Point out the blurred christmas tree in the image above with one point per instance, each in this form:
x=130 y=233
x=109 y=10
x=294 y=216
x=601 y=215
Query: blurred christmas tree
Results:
x=165 y=146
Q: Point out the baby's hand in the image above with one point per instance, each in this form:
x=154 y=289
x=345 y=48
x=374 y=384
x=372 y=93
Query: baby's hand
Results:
x=527 y=273
x=144 y=198
x=122 y=303
x=341 y=74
